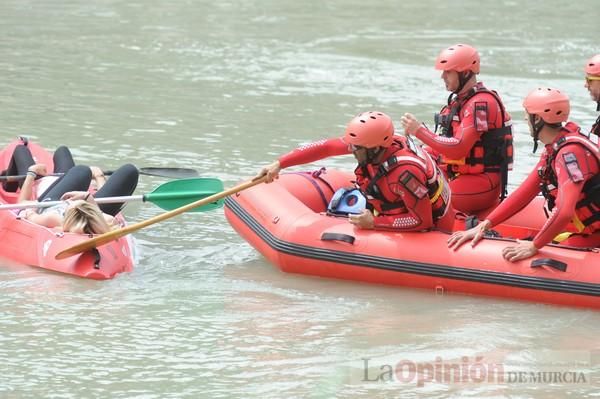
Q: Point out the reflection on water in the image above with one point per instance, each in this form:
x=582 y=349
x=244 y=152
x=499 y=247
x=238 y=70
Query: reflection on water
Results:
x=224 y=88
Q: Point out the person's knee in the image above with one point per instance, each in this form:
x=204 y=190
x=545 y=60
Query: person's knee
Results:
x=80 y=172
x=63 y=160
x=130 y=174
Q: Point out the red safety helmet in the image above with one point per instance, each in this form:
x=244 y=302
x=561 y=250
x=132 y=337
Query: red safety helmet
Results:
x=459 y=58
x=592 y=67
x=551 y=105
x=370 y=129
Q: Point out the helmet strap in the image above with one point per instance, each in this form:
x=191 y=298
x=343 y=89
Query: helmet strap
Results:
x=537 y=127
x=463 y=78
x=373 y=154
x=597 y=105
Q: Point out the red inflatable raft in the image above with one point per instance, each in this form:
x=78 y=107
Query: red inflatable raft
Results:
x=285 y=221
x=27 y=243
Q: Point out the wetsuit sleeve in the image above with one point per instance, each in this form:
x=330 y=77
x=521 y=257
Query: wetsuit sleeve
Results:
x=572 y=171
x=468 y=133
x=408 y=183
x=314 y=151
x=518 y=199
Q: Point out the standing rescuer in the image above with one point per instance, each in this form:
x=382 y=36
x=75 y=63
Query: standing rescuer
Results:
x=567 y=174
x=474 y=147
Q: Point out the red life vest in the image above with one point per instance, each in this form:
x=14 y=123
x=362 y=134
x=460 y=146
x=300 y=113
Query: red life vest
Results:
x=587 y=210
x=377 y=189
x=596 y=129
x=493 y=152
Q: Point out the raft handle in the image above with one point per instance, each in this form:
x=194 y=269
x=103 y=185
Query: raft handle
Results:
x=556 y=264
x=338 y=237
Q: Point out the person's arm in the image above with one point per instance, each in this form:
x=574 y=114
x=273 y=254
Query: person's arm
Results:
x=314 y=151
x=514 y=203
x=305 y=154
x=456 y=147
x=34 y=171
x=573 y=166
x=518 y=199
x=572 y=171
x=49 y=219
x=471 y=127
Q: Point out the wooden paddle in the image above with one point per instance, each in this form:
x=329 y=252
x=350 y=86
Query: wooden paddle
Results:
x=116 y=234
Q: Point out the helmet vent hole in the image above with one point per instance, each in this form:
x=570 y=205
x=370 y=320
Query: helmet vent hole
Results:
x=353 y=134
x=362 y=121
x=547 y=110
x=385 y=138
x=443 y=61
x=372 y=117
x=559 y=112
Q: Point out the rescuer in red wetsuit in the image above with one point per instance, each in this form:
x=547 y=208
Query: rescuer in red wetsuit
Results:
x=474 y=147
x=568 y=175
x=592 y=83
x=405 y=190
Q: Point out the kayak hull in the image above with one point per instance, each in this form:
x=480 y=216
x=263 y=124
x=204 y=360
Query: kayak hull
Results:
x=24 y=242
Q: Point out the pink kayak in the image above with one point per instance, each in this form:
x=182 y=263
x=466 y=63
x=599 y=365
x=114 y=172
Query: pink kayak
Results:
x=30 y=244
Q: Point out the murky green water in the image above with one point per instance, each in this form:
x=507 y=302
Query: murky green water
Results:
x=224 y=87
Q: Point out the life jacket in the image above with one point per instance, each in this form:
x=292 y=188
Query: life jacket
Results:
x=587 y=209
x=380 y=196
x=493 y=152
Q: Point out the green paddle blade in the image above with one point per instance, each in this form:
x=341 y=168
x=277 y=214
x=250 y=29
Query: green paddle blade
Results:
x=177 y=193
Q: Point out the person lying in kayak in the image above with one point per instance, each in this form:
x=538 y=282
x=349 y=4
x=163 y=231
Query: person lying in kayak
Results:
x=474 y=148
x=82 y=214
x=405 y=190
x=50 y=188
x=568 y=175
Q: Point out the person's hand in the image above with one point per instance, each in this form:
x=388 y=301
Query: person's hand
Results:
x=365 y=220
x=75 y=195
x=410 y=124
x=271 y=171
x=39 y=169
x=475 y=235
x=523 y=250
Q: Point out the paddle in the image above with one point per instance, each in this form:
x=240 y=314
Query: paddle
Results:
x=116 y=234
x=170 y=195
x=172 y=173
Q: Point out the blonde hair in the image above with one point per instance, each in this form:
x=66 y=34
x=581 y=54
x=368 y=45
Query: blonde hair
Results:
x=84 y=217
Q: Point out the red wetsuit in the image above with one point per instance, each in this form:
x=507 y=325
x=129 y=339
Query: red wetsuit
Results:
x=475 y=148
x=573 y=165
x=401 y=198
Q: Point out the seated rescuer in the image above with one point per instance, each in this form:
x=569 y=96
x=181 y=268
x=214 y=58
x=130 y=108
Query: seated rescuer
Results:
x=474 y=147
x=568 y=175
x=404 y=188
x=592 y=83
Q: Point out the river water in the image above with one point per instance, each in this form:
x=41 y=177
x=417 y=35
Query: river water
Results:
x=224 y=87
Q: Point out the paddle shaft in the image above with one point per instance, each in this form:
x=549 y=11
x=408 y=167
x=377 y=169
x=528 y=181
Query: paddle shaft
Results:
x=150 y=171
x=116 y=234
x=48 y=204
